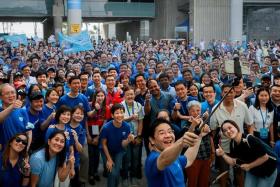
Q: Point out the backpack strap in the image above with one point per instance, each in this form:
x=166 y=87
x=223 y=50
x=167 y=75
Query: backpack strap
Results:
x=263 y=145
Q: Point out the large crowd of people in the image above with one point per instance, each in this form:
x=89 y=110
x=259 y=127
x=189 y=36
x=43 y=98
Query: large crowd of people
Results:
x=64 y=115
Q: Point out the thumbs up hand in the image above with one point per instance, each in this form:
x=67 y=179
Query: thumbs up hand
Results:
x=220 y=151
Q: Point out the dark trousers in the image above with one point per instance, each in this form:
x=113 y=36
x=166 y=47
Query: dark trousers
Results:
x=75 y=181
x=93 y=155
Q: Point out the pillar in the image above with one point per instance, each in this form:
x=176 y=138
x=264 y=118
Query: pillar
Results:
x=74 y=19
x=236 y=20
x=58 y=10
x=111 y=30
x=144 y=29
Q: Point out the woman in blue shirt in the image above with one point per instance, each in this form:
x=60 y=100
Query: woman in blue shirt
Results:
x=78 y=134
x=49 y=108
x=45 y=162
x=15 y=170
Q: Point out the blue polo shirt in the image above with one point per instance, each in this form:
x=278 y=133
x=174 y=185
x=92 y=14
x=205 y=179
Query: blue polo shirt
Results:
x=16 y=122
x=115 y=136
x=171 y=176
x=47 y=111
x=166 y=101
x=36 y=120
x=206 y=106
x=10 y=176
x=88 y=93
x=81 y=132
x=71 y=102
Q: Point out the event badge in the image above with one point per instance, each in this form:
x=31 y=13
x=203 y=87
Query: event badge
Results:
x=263 y=133
x=95 y=130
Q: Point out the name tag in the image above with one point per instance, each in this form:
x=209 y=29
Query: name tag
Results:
x=95 y=130
x=263 y=133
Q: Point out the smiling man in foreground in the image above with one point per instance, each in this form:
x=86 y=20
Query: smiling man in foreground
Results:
x=164 y=165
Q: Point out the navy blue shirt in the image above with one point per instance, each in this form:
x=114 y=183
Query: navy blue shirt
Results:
x=166 y=101
x=81 y=133
x=71 y=102
x=36 y=120
x=10 y=176
x=47 y=111
x=115 y=136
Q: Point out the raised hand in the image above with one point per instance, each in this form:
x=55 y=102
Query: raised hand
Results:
x=97 y=106
x=189 y=139
x=220 y=151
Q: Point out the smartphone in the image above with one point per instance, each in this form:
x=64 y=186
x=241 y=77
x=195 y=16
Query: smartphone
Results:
x=249 y=84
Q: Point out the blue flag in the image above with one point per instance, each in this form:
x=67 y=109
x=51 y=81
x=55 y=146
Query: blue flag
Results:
x=16 y=39
x=76 y=43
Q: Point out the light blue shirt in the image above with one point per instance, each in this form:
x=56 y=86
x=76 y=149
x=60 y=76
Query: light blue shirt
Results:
x=45 y=170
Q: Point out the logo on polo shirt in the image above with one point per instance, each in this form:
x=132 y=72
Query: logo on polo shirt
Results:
x=30 y=126
x=20 y=118
x=123 y=133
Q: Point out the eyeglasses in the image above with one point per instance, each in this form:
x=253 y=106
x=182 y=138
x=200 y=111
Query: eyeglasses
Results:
x=18 y=140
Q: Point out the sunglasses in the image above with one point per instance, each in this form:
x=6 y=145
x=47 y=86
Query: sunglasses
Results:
x=18 y=140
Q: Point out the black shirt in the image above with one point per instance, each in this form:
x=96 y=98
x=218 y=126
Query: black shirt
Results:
x=250 y=149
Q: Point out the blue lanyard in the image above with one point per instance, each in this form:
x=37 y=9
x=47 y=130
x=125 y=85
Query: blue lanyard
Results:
x=182 y=106
x=264 y=120
x=128 y=108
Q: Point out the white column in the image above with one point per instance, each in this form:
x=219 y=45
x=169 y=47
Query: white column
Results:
x=74 y=18
x=111 y=30
x=57 y=16
x=144 y=29
x=236 y=20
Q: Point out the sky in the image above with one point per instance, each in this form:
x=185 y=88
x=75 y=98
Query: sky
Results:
x=28 y=28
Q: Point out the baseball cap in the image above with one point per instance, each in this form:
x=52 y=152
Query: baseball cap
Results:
x=103 y=70
x=19 y=84
x=14 y=58
x=51 y=69
x=88 y=56
x=18 y=74
x=265 y=77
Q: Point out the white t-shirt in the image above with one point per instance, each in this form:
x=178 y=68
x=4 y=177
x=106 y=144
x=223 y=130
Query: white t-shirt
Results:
x=240 y=114
x=260 y=116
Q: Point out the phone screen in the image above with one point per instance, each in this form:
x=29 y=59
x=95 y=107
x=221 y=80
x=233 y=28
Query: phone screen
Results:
x=249 y=84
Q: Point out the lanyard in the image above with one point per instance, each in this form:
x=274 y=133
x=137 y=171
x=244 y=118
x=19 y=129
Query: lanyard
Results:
x=263 y=119
x=128 y=108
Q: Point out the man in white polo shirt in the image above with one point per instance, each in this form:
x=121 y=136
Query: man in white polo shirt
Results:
x=237 y=111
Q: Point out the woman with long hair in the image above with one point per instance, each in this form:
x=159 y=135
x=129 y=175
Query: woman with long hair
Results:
x=250 y=154
x=50 y=159
x=95 y=122
x=194 y=92
x=14 y=166
x=62 y=118
x=262 y=112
